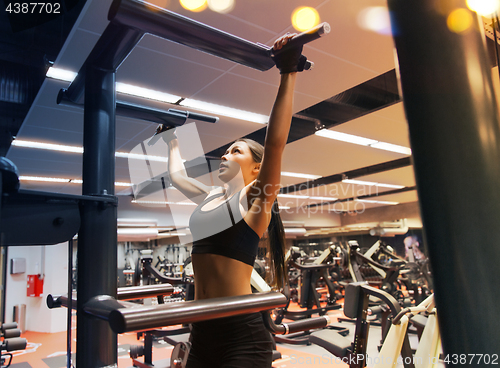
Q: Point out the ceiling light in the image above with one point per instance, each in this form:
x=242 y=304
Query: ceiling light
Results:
x=483 y=7
x=138 y=231
x=224 y=110
x=293 y=196
x=61 y=74
x=141 y=157
x=379 y=202
x=344 y=137
x=323 y=198
x=129 y=89
x=172 y=234
x=299 y=175
x=284 y=207
x=376 y=19
x=75 y=149
x=370 y=183
x=194 y=5
x=392 y=147
x=295 y=230
x=350 y=138
x=293 y=223
x=305 y=18
x=221 y=6
x=47 y=146
x=63 y=180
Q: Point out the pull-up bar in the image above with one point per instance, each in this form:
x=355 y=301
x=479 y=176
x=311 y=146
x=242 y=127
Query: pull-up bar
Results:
x=131 y=19
x=138 y=14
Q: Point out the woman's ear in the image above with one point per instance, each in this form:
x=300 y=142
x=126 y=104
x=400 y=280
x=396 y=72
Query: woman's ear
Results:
x=256 y=168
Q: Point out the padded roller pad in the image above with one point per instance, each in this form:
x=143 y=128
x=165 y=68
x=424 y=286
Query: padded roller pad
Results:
x=14 y=332
x=335 y=343
x=8 y=326
x=16 y=343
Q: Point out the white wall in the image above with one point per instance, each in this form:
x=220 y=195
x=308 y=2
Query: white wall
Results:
x=39 y=317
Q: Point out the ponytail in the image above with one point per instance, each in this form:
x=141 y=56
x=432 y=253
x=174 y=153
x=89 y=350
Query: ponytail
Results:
x=277 y=244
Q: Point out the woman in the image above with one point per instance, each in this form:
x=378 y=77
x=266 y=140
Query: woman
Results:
x=228 y=224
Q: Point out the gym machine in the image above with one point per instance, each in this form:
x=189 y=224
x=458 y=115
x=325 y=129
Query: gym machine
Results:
x=11 y=341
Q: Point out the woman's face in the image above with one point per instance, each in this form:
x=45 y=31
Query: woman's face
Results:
x=238 y=157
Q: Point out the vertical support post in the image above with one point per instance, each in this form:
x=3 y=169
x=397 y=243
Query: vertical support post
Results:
x=70 y=304
x=97 y=241
x=455 y=133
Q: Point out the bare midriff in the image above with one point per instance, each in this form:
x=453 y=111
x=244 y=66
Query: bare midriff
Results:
x=219 y=276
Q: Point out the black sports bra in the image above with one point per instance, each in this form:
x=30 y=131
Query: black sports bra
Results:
x=223 y=231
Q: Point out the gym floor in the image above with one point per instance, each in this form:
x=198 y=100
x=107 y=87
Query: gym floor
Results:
x=49 y=350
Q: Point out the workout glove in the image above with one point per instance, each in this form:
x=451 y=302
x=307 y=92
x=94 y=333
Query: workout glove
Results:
x=290 y=60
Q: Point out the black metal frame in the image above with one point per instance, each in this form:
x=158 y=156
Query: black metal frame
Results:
x=454 y=129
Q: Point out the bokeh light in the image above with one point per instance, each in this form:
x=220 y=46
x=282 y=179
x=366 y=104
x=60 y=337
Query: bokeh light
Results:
x=221 y=6
x=194 y=5
x=483 y=7
x=375 y=19
x=459 y=20
x=305 y=18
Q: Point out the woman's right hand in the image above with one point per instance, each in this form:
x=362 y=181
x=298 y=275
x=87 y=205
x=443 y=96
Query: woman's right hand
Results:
x=290 y=60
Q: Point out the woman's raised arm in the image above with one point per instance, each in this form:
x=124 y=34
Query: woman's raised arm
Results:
x=267 y=185
x=195 y=190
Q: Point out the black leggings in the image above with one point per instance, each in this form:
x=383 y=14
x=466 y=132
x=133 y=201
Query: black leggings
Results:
x=233 y=342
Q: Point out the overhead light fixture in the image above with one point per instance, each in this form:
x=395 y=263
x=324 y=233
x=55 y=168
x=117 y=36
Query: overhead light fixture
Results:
x=284 y=207
x=350 y=138
x=76 y=149
x=371 y=183
x=224 y=110
x=323 y=198
x=293 y=223
x=61 y=74
x=295 y=230
x=392 y=147
x=344 y=137
x=151 y=94
x=63 y=180
x=138 y=231
x=136 y=222
x=293 y=196
x=172 y=234
x=299 y=175
x=378 y=202
x=47 y=146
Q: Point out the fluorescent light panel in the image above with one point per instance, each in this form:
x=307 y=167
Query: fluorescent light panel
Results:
x=151 y=94
x=63 y=180
x=224 y=110
x=61 y=74
x=76 y=149
x=350 y=138
x=299 y=175
x=370 y=183
x=379 y=202
x=295 y=230
x=323 y=198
